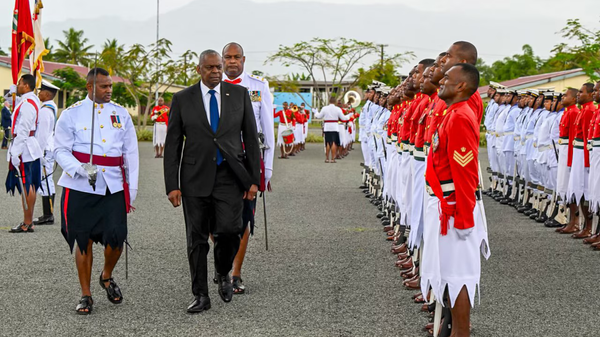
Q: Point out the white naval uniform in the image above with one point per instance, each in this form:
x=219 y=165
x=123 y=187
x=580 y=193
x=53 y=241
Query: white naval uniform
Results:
x=364 y=121
x=262 y=103
x=508 y=144
x=73 y=133
x=28 y=148
x=499 y=126
x=45 y=136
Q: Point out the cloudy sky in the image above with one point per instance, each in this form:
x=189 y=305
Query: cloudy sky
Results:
x=498 y=29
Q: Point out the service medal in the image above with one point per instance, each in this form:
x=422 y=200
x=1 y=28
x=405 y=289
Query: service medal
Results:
x=436 y=141
x=114 y=124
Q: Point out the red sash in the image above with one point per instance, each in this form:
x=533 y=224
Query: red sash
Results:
x=447 y=210
x=112 y=162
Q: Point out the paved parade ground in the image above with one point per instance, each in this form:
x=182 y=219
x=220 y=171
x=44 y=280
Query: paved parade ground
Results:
x=328 y=271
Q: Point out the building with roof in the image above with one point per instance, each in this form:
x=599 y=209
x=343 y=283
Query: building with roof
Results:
x=63 y=95
x=559 y=81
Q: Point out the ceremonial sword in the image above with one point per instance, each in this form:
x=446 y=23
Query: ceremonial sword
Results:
x=261 y=142
x=90 y=168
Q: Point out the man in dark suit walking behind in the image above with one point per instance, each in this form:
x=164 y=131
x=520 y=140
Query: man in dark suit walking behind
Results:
x=213 y=173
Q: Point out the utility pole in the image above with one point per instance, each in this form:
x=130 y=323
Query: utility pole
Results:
x=157 y=61
x=382 y=46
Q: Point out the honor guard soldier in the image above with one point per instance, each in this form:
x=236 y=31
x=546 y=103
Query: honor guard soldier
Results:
x=99 y=187
x=24 y=152
x=160 y=116
x=45 y=137
x=454 y=228
x=262 y=103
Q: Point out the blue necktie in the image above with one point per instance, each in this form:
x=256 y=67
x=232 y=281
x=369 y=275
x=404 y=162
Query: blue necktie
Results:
x=214 y=120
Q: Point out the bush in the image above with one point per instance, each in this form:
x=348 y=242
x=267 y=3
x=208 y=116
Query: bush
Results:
x=144 y=135
x=312 y=138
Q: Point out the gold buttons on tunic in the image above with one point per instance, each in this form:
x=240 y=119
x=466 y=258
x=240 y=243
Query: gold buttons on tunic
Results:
x=103 y=170
x=101 y=126
x=103 y=140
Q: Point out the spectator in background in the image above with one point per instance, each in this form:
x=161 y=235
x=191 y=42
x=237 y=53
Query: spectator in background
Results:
x=6 y=119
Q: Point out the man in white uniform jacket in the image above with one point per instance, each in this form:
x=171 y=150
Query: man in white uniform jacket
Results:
x=24 y=152
x=331 y=114
x=45 y=136
x=96 y=213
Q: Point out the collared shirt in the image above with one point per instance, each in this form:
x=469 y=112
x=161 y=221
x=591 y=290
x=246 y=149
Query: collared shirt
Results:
x=331 y=114
x=206 y=98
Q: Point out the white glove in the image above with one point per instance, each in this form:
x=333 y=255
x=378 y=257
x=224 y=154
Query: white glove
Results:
x=16 y=161
x=268 y=175
x=43 y=161
x=155 y=117
x=82 y=172
x=464 y=233
x=12 y=89
x=132 y=195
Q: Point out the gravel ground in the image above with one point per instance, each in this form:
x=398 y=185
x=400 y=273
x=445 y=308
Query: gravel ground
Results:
x=328 y=271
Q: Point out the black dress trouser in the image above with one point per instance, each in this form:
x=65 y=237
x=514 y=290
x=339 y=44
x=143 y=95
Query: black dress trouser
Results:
x=219 y=214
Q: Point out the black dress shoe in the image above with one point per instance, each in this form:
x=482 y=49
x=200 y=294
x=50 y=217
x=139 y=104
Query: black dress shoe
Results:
x=534 y=215
x=380 y=215
x=541 y=219
x=22 y=228
x=225 y=288
x=385 y=223
x=199 y=304
x=552 y=223
x=44 y=220
x=504 y=201
x=524 y=209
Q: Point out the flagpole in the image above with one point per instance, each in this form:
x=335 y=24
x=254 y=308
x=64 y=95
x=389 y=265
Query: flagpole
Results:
x=157 y=36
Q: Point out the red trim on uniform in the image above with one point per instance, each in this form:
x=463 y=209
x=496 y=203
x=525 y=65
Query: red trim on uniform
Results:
x=65 y=208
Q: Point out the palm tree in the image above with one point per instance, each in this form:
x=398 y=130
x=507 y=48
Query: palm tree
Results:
x=111 y=57
x=74 y=49
x=50 y=48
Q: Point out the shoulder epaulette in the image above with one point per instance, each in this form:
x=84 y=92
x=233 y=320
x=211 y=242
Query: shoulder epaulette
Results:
x=262 y=79
x=117 y=104
x=75 y=105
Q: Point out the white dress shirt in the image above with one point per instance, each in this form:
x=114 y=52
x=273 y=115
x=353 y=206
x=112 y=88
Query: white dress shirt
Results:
x=206 y=98
x=45 y=127
x=331 y=113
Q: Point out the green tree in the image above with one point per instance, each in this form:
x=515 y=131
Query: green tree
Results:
x=70 y=81
x=2 y=52
x=585 y=53
x=144 y=77
x=388 y=75
x=74 y=49
x=333 y=60
x=518 y=65
x=111 y=56
x=486 y=73
x=50 y=48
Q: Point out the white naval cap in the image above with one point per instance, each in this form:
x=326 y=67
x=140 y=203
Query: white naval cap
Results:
x=49 y=86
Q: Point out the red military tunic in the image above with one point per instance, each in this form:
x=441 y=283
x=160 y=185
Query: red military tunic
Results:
x=476 y=105
x=162 y=112
x=453 y=159
x=407 y=118
x=582 y=126
x=288 y=114
x=436 y=116
x=567 y=130
x=424 y=122
x=416 y=118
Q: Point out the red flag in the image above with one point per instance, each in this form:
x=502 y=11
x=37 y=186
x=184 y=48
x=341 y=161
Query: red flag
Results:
x=22 y=37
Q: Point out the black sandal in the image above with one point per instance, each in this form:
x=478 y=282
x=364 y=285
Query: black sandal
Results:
x=85 y=305
x=238 y=287
x=113 y=292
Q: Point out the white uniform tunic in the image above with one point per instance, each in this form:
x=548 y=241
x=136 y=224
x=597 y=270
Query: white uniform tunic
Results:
x=114 y=136
x=28 y=148
x=45 y=136
x=262 y=103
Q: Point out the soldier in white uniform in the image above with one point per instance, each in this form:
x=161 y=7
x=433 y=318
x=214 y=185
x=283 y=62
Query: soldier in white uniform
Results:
x=95 y=210
x=24 y=151
x=45 y=136
x=262 y=102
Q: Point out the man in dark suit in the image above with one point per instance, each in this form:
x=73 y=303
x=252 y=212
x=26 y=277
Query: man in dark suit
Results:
x=6 y=120
x=214 y=173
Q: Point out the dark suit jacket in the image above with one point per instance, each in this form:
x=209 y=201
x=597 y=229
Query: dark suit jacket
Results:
x=6 y=117
x=193 y=171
